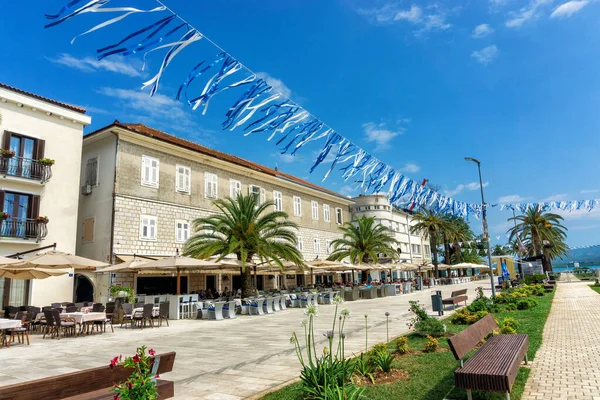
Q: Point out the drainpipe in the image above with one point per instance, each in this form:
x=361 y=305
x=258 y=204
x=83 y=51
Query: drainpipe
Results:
x=111 y=256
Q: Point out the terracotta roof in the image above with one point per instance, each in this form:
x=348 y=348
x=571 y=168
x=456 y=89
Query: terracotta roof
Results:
x=165 y=137
x=36 y=96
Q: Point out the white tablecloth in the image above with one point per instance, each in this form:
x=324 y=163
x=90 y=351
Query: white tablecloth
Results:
x=80 y=317
x=9 y=323
x=137 y=312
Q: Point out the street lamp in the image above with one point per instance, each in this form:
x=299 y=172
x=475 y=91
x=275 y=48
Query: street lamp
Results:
x=485 y=225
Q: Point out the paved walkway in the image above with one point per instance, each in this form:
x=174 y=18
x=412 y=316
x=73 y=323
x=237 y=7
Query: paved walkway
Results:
x=567 y=365
x=225 y=360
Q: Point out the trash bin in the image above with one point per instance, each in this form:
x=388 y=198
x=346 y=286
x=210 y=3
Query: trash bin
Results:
x=436 y=302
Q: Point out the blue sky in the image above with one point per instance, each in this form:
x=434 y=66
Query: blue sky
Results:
x=420 y=84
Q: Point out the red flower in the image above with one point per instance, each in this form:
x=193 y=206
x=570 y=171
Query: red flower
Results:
x=151 y=352
x=136 y=358
x=157 y=376
x=114 y=362
x=130 y=385
x=116 y=397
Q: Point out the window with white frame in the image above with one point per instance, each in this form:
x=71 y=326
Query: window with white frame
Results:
x=150 y=171
x=427 y=250
x=404 y=248
x=297 y=206
x=317 y=245
x=326 y=213
x=148 y=227
x=210 y=185
x=328 y=246
x=402 y=228
x=183 y=179
x=258 y=192
x=300 y=244
x=315 y=210
x=416 y=248
x=339 y=219
x=278 y=200
x=235 y=188
x=182 y=231
x=91 y=172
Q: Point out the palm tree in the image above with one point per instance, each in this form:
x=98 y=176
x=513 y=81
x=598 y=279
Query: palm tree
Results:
x=430 y=223
x=542 y=232
x=247 y=229
x=499 y=250
x=363 y=242
x=459 y=232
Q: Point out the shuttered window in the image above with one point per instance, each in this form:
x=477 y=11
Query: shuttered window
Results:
x=235 y=188
x=182 y=231
x=91 y=172
x=88 y=229
x=278 y=200
x=183 y=179
x=150 y=167
x=148 y=227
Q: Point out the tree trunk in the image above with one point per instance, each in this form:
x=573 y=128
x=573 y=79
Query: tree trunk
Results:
x=434 y=251
x=447 y=252
x=457 y=251
x=246 y=276
x=537 y=248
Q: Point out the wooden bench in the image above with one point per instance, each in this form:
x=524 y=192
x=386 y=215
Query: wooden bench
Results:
x=94 y=384
x=494 y=366
x=456 y=297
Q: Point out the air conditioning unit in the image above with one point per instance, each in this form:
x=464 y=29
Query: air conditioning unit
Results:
x=86 y=190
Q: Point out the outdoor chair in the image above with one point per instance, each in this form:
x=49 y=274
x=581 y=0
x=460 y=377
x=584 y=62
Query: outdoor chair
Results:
x=256 y=307
x=79 y=306
x=67 y=326
x=127 y=313
x=268 y=305
x=216 y=311
x=100 y=325
x=71 y=309
x=163 y=313
x=294 y=301
x=313 y=299
x=304 y=300
x=56 y=305
x=110 y=308
x=276 y=301
x=282 y=301
x=229 y=310
x=97 y=307
x=202 y=308
x=20 y=333
x=138 y=305
x=145 y=317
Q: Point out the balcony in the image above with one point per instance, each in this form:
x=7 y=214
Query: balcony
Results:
x=23 y=228
x=25 y=168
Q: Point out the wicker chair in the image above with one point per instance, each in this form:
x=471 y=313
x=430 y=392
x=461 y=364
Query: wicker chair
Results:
x=20 y=333
x=163 y=313
x=145 y=317
x=127 y=313
x=65 y=326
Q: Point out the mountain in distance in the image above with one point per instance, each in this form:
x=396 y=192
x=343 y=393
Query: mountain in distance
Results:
x=584 y=256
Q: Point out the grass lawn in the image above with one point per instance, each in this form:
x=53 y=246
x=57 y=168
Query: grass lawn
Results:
x=595 y=288
x=431 y=375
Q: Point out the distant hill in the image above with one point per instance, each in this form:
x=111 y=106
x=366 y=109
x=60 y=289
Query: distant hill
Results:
x=587 y=256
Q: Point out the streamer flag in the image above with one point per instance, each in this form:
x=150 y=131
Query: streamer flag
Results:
x=262 y=110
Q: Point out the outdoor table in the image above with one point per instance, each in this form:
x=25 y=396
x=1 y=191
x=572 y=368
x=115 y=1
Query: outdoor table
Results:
x=83 y=318
x=6 y=324
x=137 y=312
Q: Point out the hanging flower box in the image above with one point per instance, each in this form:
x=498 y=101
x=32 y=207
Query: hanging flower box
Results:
x=42 y=220
x=7 y=153
x=46 y=161
x=4 y=215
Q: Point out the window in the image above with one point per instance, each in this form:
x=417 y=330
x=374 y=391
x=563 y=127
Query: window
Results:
x=258 y=192
x=182 y=179
x=326 y=214
x=403 y=228
x=338 y=216
x=427 y=250
x=416 y=248
x=300 y=244
x=317 y=245
x=328 y=246
x=210 y=185
x=404 y=248
x=235 y=188
x=26 y=149
x=148 y=228
x=22 y=208
x=315 y=210
x=182 y=231
x=278 y=200
x=88 y=230
x=150 y=171
x=297 y=206
x=91 y=172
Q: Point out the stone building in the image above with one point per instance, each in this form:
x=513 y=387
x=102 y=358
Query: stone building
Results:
x=34 y=130
x=142 y=189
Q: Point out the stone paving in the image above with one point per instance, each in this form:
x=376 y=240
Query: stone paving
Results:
x=231 y=359
x=567 y=365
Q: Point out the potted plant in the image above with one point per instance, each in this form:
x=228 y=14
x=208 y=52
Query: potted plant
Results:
x=142 y=381
x=7 y=153
x=122 y=291
x=46 y=161
x=41 y=220
x=4 y=215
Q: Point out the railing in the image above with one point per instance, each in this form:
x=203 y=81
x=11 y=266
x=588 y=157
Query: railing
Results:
x=25 y=168
x=23 y=228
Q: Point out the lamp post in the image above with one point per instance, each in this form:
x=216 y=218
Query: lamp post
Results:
x=485 y=225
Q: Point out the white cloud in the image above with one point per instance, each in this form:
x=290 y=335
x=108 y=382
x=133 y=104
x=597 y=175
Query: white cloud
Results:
x=379 y=134
x=481 y=31
x=555 y=197
x=89 y=64
x=568 y=9
x=587 y=191
x=277 y=84
x=485 y=55
x=160 y=112
x=348 y=190
x=512 y=198
x=432 y=18
x=287 y=158
x=413 y=15
x=410 y=168
x=464 y=186
x=531 y=11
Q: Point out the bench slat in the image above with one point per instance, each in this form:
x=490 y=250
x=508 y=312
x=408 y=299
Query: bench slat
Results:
x=463 y=342
x=166 y=390
x=76 y=383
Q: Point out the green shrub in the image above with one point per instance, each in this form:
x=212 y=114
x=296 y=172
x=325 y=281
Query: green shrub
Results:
x=531 y=278
x=402 y=345
x=461 y=317
x=508 y=330
x=431 y=345
x=526 y=304
x=430 y=327
x=481 y=304
x=379 y=348
x=384 y=361
x=510 y=307
x=511 y=322
x=477 y=316
x=364 y=367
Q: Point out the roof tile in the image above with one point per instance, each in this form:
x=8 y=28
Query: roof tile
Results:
x=37 y=96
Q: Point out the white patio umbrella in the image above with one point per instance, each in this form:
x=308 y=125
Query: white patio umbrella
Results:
x=4 y=261
x=129 y=266
x=29 y=273
x=178 y=263
x=58 y=259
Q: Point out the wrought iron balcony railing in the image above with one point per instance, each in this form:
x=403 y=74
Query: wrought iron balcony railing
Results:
x=25 y=168
x=23 y=228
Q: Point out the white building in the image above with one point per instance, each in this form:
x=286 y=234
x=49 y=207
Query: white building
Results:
x=37 y=128
x=414 y=248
